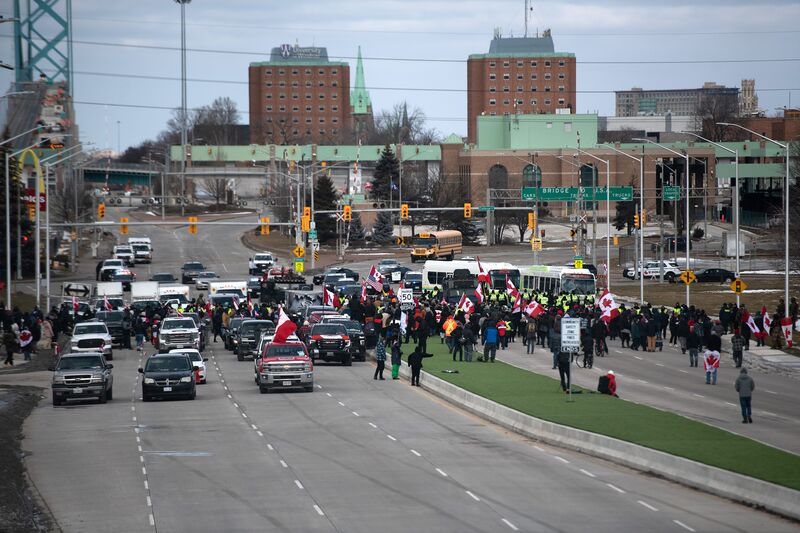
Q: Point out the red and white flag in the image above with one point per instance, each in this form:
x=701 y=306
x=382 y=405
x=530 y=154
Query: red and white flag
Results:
x=483 y=276
x=403 y=322
x=75 y=305
x=25 y=338
x=510 y=288
x=330 y=298
x=466 y=304
x=479 y=293
x=767 y=322
x=375 y=279
x=236 y=303
x=363 y=293
x=751 y=324
x=608 y=307
x=517 y=304
x=284 y=328
x=208 y=307
x=249 y=304
x=106 y=303
x=786 y=327
x=534 y=309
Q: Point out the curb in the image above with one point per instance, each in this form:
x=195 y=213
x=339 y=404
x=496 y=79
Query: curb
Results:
x=713 y=480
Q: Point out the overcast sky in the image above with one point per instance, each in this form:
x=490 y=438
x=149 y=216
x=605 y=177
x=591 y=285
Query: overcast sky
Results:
x=618 y=44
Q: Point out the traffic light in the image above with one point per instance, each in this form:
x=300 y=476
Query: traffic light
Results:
x=644 y=217
x=404 y=211
x=291 y=166
x=101 y=211
x=532 y=221
x=467 y=210
x=123 y=228
x=347 y=214
x=31 y=212
x=305 y=224
x=307 y=211
x=264 y=225
x=542 y=233
x=636 y=220
x=193 y=225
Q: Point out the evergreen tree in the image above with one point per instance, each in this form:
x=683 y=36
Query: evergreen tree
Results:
x=357 y=231
x=386 y=170
x=325 y=197
x=626 y=210
x=383 y=229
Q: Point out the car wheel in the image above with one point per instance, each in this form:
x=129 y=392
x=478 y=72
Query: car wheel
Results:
x=103 y=398
x=110 y=393
x=670 y=277
x=56 y=401
x=309 y=388
x=239 y=357
x=262 y=389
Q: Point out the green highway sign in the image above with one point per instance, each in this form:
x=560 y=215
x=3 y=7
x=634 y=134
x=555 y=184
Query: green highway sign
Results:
x=570 y=194
x=486 y=208
x=312 y=234
x=671 y=192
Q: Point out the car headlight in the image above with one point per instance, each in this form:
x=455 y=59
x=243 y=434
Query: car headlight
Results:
x=186 y=379
x=307 y=367
x=58 y=379
x=235 y=341
x=149 y=381
x=97 y=379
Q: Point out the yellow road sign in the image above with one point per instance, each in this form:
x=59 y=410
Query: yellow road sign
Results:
x=578 y=263
x=299 y=251
x=688 y=277
x=738 y=286
x=316 y=255
x=299 y=266
x=536 y=244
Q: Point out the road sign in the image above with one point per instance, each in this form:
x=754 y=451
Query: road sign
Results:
x=486 y=208
x=738 y=286
x=316 y=255
x=315 y=245
x=583 y=219
x=536 y=244
x=312 y=234
x=570 y=194
x=671 y=192
x=406 y=299
x=570 y=334
x=299 y=251
x=688 y=277
x=299 y=266
x=81 y=290
x=578 y=263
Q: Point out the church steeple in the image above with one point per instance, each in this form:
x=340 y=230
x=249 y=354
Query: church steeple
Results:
x=359 y=96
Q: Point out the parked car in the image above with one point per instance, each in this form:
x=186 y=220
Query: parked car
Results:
x=78 y=376
x=197 y=360
x=669 y=242
x=385 y=266
x=190 y=270
x=652 y=269
x=168 y=376
x=715 y=275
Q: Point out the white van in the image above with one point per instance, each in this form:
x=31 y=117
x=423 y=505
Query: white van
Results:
x=228 y=287
x=173 y=292
x=142 y=249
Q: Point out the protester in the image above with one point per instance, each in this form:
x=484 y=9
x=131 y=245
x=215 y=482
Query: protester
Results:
x=745 y=385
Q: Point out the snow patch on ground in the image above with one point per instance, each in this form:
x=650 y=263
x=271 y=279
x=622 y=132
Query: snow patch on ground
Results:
x=769 y=272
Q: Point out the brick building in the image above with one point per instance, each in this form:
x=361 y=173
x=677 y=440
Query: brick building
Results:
x=519 y=75
x=299 y=97
x=679 y=102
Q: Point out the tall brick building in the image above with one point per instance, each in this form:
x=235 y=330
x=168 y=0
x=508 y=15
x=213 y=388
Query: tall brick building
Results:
x=299 y=97
x=519 y=75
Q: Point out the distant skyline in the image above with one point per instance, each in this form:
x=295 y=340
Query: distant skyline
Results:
x=413 y=50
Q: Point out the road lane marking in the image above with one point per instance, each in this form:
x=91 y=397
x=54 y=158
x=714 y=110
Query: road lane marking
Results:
x=146 y=485
x=768 y=413
x=144 y=471
x=224 y=267
x=659 y=364
x=473 y=496
x=134 y=419
x=259 y=433
x=733 y=404
x=668 y=388
x=244 y=415
x=587 y=473
x=149 y=502
x=229 y=396
x=391 y=438
x=141 y=458
x=329 y=395
x=373 y=425
x=642 y=381
x=539 y=448
x=509 y=524
x=699 y=395
x=561 y=459
x=637 y=357
x=299 y=485
x=283 y=464
x=318 y=510
x=152 y=520
x=771 y=392
x=442 y=472
x=133 y=408
x=269 y=446
x=646 y=505
x=254 y=426
x=684 y=526
x=615 y=488
x=356 y=413
x=236 y=405
x=684 y=371
x=415 y=452
x=340 y=403
x=140 y=449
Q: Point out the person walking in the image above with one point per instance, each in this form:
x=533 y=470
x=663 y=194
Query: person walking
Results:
x=692 y=343
x=457 y=340
x=469 y=339
x=10 y=341
x=380 y=357
x=397 y=354
x=737 y=347
x=140 y=330
x=415 y=362
x=564 y=369
x=491 y=339
x=745 y=385
x=530 y=335
x=554 y=340
x=711 y=365
x=216 y=323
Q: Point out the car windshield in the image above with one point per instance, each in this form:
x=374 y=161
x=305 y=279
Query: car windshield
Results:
x=178 y=324
x=110 y=316
x=253 y=326
x=124 y=250
x=235 y=323
x=263 y=257
x=162 y=363
x=112 y=262
x=291 y=350
x=580 y=286
x=193 y=266
x=413 y=276
x=84 y=329
x=328 y=329
x=141 y=247
x=194 y=356
x=80 y=363
x=121 y=276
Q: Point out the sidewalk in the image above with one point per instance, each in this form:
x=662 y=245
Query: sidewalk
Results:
x=767 y=359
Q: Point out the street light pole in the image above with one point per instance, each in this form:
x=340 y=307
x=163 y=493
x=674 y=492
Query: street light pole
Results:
x=786 y=211
x=184 y=117
x=608 y=217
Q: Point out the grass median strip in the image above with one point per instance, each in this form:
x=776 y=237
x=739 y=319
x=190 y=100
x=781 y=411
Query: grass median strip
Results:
x=541 y=397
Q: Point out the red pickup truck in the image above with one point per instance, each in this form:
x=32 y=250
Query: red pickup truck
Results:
x=284 y=366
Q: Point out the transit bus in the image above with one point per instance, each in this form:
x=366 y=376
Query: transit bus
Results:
x=443 y=244
x=435 y=272
x=557 y=279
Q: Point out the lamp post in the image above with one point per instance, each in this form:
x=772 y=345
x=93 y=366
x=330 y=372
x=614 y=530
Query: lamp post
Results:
x=687 y=229
x=184 y=117
x=735 y=200
x=786 y=211
x=608 y=216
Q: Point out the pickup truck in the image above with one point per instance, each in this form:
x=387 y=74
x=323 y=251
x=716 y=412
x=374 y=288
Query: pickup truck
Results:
x=248 y=336
x=285 y=365
x=261 y=262
x=82 y=375
x=178 y=332
x=330 y=342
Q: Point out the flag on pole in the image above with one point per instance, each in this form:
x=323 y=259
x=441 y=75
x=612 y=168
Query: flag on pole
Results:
x=534 y=309
x=466 y=304
x=330 y=298
x=608 y=307
x=236 y=303
x=479 y=293
x=510 y=288
x=284 y=328
x=786 y=326
x=483 y=276
x=767 y=322
x=375 y=279
x=751 y=324
x=517 y=304
x=106 y=303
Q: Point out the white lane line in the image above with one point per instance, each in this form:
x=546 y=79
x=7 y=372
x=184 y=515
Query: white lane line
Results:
x=509 y=524
x=144 y=471
x=152 y=520
x=587 y=473
x=283 y=464
x=225 y=267
x=473 y=496
x=146 y=485
x=299 y=485
x=269 y=447
x=254 y=426
x=259 y=433
x=222 y=381
x=244 y=415
x=141 y=458
x=659 y=364
x=684 y=526
x=768 y=413
x=646 y=505
x=236 y=405
x=642 y=381
x=637 y=357
x=699 y=395
x=356 y=413
x=442 y=472
x=318 y=510
x=561 y=459
x=668 y=388
x=684 y=371
x=329 y=395
x=733 y=404
x=133 y=408
x=138 y=439
x=319 y=386
x=229 y=396
x=539 y=448
x=391 y=438
x=340 y=403
x=134 y=418
x=615 y=488
x=149 y=502
x=373 y=425
x=415 y=452
x=140 y=449
x=771 y=392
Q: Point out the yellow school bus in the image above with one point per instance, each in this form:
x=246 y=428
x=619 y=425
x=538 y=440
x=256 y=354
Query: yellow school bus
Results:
x=436 y=245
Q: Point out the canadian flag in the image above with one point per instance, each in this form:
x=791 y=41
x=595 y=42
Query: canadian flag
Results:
x=75 y=305
x=534 y=309
x=479 y=293
x=375 y=279
x=767 y=322
x=510 y=288
x=363 y=293
x=466 y=304
x=786 y=326
x=236 y=303
x=751 y=324
x=284 y=328
x=330 y=298
x=25 y=338
x=608 y=307
x=106 y=303
x=483 y=276
x=517 y=304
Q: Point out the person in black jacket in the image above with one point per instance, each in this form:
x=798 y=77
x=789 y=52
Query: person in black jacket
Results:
x=415 y=362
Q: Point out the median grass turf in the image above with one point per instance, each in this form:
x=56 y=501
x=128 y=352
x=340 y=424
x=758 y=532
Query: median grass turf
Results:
x=541 y=397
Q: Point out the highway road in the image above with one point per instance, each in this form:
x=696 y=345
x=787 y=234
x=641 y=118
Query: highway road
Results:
x=354 y=455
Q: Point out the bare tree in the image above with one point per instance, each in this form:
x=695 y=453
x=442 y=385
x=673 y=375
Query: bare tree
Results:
x=398 y=126
x=217 y=188
x=715 y=108
x=216 y=123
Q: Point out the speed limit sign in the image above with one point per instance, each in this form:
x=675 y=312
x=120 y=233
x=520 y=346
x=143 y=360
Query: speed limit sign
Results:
x=406 y=299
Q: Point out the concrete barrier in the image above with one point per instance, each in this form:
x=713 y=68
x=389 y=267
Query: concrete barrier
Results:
x=730 y=485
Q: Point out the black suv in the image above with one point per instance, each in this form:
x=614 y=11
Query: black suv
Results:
x=168 y=376
x=248 y=336
x=113 y=321
x=82 y=375
x=358 y=341
x=229 y=333
x=190 y=270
